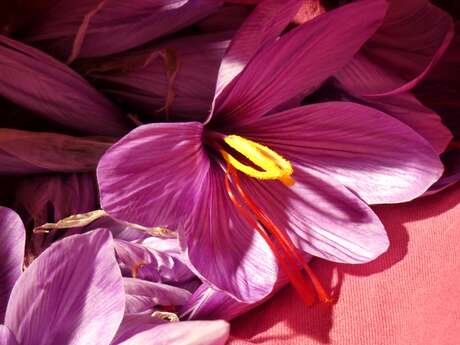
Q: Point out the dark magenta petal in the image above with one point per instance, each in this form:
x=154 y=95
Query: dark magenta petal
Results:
x=49 y=88
x=24 y=152
x=140 y=78
x=104 y=27
x=412 y=39
x=406 y=108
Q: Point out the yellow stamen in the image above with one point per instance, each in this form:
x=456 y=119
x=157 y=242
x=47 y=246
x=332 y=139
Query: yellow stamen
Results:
x=273 y=165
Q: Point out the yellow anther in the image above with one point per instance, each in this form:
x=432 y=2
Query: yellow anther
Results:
x=273 y=166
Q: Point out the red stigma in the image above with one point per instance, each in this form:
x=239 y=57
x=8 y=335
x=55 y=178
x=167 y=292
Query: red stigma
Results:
x=279 y=242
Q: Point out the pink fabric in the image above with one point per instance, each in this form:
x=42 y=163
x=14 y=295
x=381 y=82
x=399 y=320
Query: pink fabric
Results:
x=409 y=296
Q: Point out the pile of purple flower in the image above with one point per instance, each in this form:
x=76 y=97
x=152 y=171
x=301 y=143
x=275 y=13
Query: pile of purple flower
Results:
x=167 y=165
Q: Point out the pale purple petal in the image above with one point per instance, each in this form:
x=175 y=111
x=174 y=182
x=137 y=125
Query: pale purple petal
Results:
x=299 y=62
x=401 y=53
x=71 y=294
x=12 y=238
x=154 y=174
x=223 y=248
x=171 y=264
x=207 y=303
x=133 y=257
x=182 y=333
x=143 y=296
x=373 y=154
x=24 y=152
x=44 y=85
x=6 y=337
x=104 y=27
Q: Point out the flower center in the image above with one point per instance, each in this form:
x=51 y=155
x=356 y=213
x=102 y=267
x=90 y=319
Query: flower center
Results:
x=273 y=167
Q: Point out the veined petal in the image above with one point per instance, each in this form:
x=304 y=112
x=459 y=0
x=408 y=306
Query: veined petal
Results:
x=24 y=152
x=153 y=175
x=295 y=63
x=71 y=294
x=264 y=25
x=182 y=333
x=144 y=296
x=384 y=163
x=322 y=216
x=6 y=337
x=223 y=248
x=412 y=39
x=44 y=85
x=12 y=238
x=107 y=27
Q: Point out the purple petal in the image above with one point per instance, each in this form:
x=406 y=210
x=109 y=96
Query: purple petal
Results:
x=264 y=25
x=143 y=296
x=36 y=81
x=322 y=216
x=107 y=27
x=134 y=257
x=387 y=163
x=171 y=264
x=207 y=303
x=6 y=337
x=13 y=239
x=140 y=79
x=153 y=175
x=401 y=53
x=24 y=152
x=224 y=250
x=182 y=333
x=71 y=294
x=295 y=64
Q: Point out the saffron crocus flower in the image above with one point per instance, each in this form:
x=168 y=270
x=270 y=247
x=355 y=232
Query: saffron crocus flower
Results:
x=91 y=28
x=305 y=174
x=41 y=310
